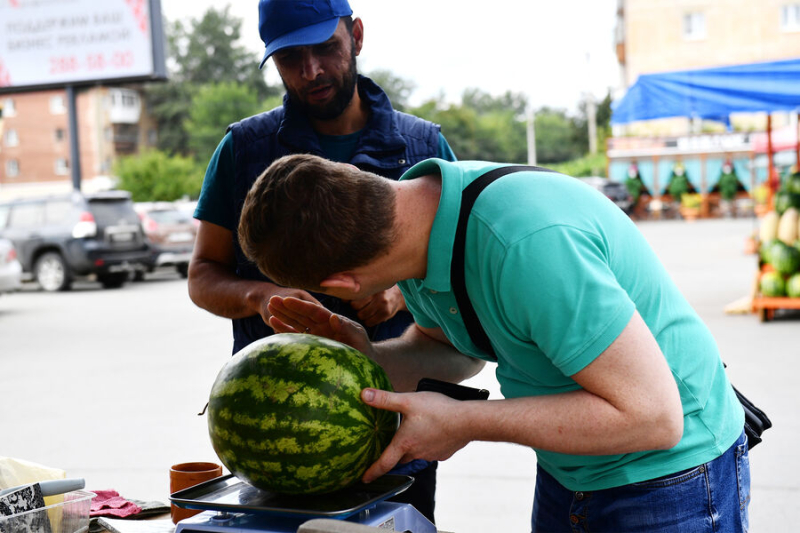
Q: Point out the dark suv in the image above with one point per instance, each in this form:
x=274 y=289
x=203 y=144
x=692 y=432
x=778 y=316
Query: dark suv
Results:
x=59 y=238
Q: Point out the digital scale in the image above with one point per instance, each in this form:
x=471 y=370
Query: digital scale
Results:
x=231 y=505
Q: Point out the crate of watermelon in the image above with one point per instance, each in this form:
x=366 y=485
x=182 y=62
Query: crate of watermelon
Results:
x=778 y=282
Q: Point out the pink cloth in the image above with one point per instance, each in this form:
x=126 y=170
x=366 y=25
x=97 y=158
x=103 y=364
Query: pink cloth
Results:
x=110 y=503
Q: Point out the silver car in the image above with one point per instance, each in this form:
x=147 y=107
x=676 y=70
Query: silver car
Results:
x=10 y=267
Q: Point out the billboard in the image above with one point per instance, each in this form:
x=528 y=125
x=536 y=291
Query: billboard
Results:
x=55 y=43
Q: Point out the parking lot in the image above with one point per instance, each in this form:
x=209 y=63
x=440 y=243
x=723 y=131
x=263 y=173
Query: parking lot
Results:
x=108 y=384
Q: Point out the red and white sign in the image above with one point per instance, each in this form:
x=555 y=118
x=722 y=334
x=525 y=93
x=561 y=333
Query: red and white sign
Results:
x=60 y=42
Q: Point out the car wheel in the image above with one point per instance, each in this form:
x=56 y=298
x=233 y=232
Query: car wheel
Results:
x=138 y=275
x=113 y=281
x=52 y=272
x=183 y=270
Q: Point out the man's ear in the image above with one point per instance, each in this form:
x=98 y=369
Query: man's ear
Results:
x=358 y=35
x=341 y=280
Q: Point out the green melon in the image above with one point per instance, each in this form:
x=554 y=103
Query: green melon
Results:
x=285 y=414
x=767 y=249
x=772 y=284
x=785 y=199
x=785 y=259
x=793 y=286
x=792 y=183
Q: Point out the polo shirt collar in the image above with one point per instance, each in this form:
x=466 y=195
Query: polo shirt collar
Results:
x=443 y=232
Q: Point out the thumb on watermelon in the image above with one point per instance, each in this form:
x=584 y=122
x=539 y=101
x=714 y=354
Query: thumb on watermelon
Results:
x=381 y=399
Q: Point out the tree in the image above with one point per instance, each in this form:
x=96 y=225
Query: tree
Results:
x=482 y=127
x=207 y=50
x=555 y=137
x=201 y=51
x=396 y=88
x=157 y=176
x=214 y=107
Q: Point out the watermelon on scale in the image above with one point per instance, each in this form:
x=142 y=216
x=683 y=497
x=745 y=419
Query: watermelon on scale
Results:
x=285 y=414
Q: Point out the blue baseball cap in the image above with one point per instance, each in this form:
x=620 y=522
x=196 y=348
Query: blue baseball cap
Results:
x=286 y=23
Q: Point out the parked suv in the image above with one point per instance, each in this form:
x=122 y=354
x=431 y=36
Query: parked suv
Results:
x=59 y=238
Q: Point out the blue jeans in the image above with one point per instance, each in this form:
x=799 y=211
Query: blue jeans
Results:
x=712 y=497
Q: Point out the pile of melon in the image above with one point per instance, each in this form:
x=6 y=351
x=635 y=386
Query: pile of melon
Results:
x=779 y=237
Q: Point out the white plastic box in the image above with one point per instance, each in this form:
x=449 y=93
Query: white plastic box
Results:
x=68 y=516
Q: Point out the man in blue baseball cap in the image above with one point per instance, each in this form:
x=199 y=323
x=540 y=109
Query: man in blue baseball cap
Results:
x=328 y=110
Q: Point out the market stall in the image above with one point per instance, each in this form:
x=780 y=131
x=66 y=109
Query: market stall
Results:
x=715 y=94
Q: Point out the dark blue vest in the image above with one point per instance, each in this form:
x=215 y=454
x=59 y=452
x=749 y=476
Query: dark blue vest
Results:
x=389 y=145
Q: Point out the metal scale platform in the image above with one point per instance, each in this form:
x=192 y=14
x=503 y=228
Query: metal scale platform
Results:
x=234 y=506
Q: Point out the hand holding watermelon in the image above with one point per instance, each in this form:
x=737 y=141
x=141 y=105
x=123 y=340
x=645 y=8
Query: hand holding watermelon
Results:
x=432 y=428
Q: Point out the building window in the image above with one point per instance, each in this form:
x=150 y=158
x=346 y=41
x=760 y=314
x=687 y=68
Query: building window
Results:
x=12 y=168
x=790 y=17
x=59 y=135
x=12 y=139
x=694 y=26
x=57 y=106
x=62 y=166
x=8 y=108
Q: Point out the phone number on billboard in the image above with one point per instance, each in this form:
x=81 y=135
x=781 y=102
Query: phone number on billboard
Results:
x=91 y=62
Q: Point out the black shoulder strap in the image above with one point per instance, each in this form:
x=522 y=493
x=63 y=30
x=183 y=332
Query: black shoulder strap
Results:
x=457 y=277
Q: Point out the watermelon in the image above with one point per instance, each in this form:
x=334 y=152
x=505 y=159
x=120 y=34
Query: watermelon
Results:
x=285 y=414
x=792 y=183
x=767 y=249
x=793 y=286
x=785 y=199
x=785 y=259
x=772 y=284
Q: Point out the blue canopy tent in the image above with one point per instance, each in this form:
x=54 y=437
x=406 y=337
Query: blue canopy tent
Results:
x=714 y=93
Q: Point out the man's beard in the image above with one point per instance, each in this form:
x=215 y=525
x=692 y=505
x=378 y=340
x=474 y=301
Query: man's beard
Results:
x=342 y=94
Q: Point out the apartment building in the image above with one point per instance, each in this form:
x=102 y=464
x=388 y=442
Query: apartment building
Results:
x=35 y=145
x=655 y=36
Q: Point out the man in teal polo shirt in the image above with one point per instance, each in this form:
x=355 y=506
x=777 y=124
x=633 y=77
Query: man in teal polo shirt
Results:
x=606 y=370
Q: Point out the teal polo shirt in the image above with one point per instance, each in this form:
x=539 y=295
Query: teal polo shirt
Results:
x=555 y=271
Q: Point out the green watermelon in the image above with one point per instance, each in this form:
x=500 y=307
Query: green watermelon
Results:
x=785 y=259
x=785 y=199
x=767 y=249
x=772 y=284
x=285 y=414
x=793 y=286
x=792 y=183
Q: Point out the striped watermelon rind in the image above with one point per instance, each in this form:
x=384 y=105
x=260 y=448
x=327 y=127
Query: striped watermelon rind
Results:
x=285 y=414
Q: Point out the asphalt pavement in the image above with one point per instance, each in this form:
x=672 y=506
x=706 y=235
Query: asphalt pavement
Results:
x=108 y=384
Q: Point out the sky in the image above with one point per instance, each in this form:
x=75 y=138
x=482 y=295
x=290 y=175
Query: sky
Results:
x=555 y=52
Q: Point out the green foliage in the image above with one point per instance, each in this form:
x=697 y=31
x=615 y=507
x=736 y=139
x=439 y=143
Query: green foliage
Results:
x=635 y=188
x=201 y=51
x=214 y=107
x=396 y=88
x=728 y=185
x=490 y=131
x=555 y=137
x=208 y=50
x=678 y=186
x=156 y=176
x=588 y=165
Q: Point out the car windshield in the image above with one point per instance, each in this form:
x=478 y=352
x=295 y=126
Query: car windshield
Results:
x=169 y=217
x=113 y=212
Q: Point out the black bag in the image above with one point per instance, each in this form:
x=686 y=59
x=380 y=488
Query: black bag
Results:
x=756 y=421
